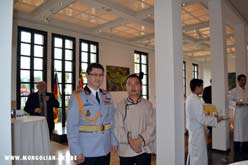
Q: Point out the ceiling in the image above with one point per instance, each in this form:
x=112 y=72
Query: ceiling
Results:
x=130 y=21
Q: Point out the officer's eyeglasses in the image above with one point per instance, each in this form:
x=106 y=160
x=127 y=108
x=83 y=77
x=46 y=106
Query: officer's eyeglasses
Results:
x=96 y=75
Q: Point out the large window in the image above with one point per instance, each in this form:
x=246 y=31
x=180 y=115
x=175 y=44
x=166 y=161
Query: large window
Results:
x=184 y=77
x=63 y=63
x=88 y=54
x=141 y=65
x=195 y=70
x=31 y=62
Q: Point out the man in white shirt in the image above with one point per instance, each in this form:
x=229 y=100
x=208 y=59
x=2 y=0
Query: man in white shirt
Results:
x=238 y=98
x=135 y=125
x=196 y=120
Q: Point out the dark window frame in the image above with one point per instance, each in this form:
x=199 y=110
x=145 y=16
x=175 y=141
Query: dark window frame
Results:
x=195 y=70
x=147 y=70
x=88 y=42
x=18 y=61
x=62 y=91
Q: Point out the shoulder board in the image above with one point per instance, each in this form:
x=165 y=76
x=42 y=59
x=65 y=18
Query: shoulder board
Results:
x=104 y=91
x=78 y=90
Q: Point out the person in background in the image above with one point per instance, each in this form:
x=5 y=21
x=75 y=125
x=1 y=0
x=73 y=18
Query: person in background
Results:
x=207 y=94
x=41 y=103
x=238 y=99
x=135 y=125
x=196 y=120
x=90 y=131
x=207 y=97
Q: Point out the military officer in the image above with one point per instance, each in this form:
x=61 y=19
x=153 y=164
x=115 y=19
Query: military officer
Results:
x=90 y=121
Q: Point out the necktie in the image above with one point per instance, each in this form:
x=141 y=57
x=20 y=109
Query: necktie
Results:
x=97 y=98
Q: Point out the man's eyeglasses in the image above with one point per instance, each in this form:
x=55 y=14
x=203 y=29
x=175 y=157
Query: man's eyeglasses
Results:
x=96 y=75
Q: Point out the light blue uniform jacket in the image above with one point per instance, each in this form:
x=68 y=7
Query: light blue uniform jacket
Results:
x=90 y=144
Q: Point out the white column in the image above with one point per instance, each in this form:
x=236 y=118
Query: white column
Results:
x=6 y=19
x=240 y=46
x=220 y=134
x=169 y=83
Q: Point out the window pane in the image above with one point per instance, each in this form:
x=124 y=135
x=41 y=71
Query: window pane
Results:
x=68 y=89
x=143 y=59
x=68 y=55
x=84 y=67
x=92 y=58
x=144 y=90
x=38 y=63
x=84 y=78
x=25 y=76
x=144 y=69
x=25 y=36
x=68 y=66
x=68 y=77
x=145 y=97
x=84 y=57
x=38 y=76
x=136 y=58
x=57 y=42
x=23 y=102
x=84 y=46
x=144 y=80
x=38 y=39
x=57 y=53
x=67 y=99
x=25 y=62
x=38 y=51
x=25 y=89
x=57 y=65
x=25 y=49
x=59 y=76
x=136 y=68
x=68 y=44
x=93 y=48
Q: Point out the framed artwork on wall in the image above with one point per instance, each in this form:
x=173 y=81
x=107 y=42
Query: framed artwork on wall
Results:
x=116 y=78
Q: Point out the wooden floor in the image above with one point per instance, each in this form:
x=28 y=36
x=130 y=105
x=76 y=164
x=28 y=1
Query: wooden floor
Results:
x=63 y=150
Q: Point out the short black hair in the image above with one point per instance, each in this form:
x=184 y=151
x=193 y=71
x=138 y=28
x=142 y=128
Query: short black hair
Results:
x=94 y=65
x=241 y=76
x=195 y=83
x=134 y=76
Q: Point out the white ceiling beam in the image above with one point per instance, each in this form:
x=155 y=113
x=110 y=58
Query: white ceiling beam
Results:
x=143 y=38
x=119 y=10
x=196 y=26
x=109 y=25
x=51 y=7
x=145 y=13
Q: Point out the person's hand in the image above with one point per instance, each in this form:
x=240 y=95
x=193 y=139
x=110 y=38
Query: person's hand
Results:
x=219 y=118
x=37 y=110
x=79 y=159
x=114 y=148
x=135 y=144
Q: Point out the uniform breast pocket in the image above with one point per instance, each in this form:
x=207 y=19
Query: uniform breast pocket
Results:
x=89 y=110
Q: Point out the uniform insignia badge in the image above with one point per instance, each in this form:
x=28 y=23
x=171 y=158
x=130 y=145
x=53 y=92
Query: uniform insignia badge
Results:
x=88 y=113
x=107 y=100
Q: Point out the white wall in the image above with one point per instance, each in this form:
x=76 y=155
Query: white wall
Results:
x=110 y=53
x=6 y=9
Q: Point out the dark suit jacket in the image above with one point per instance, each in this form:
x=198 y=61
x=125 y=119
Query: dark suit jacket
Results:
x=33 y=102
x=207 y=95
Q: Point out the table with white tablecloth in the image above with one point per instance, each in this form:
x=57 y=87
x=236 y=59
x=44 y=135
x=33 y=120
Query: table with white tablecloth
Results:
x=30 y=137
x=240 y=163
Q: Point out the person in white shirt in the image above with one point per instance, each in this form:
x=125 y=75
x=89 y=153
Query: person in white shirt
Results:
x=135 y=125
x=238 y=98
x=196 y=120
